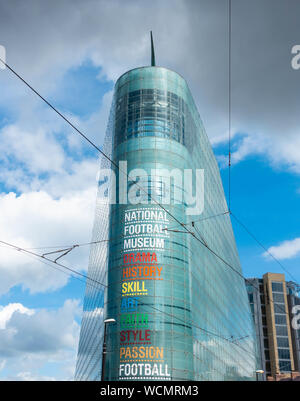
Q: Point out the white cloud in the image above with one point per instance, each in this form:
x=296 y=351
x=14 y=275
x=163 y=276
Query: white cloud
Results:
x=30 y=148
x=33 y=338
x=28 y=376
x=52 y=199
x=285 y=250
x=36 y=219
x=280 y=152
x=7 y=311
x=115 y=36
x=2 y=364
x=57 y=185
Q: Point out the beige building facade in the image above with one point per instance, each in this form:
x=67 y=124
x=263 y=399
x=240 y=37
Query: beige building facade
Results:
x=278 y=323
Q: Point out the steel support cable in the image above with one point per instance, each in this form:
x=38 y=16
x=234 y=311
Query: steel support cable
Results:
x=229 y=143
x=88 y=278
x=263 y=247
x=18 y=248
x=109 y=159
x=229 y=105
x=90 y=142
x=199 y=220
x=228 y=265
x=114 y=164
x=38 y=258
x=45 y=260
x=61 y=246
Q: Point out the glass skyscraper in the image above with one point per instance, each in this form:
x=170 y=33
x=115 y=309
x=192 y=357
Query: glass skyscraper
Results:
x=180 y=312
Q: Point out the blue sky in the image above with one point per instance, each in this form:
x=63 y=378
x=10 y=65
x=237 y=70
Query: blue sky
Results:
x=48 y=174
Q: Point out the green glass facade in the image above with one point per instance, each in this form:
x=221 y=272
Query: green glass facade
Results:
x=181 y=313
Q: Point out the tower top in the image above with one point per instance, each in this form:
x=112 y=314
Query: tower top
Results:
x=152 y=51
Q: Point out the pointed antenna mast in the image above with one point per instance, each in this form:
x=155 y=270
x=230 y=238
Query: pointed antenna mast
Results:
x=152 y=51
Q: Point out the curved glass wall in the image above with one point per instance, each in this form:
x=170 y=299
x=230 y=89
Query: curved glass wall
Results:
x=181 y=313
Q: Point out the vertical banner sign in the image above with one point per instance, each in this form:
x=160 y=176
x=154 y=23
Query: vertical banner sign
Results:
x=144 y=238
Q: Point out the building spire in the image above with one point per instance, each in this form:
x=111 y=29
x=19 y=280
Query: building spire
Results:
x=152 y=51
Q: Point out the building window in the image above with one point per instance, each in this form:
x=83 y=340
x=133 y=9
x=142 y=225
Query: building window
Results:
x=283 y=353
x=277 y=287
x=278 y=298
x=285 y=366
x=283 y=342
x=281 y=331
x=280 y=319
x=278 y=308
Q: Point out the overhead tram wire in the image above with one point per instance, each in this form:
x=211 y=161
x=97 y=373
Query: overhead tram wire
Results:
x=201 y=219
x=90 y=142
x=112 y=162
x=115 y=164
x=229 y=265
x=229 y=106
x=63 y=246
x=229 y=146
x=264 y=248
x=91 y=281
x=18 y=248
x=38 y=258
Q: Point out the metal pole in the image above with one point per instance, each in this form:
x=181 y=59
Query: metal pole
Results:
x=103 y=353
x=257 y=372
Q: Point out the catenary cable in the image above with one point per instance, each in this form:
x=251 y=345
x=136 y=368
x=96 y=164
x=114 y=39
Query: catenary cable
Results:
x=264 y=248
x=90 y=281
x=113 y=163
x=229 y=105
x=104 y=155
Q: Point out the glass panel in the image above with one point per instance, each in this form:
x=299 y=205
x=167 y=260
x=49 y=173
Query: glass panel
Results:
x=281 y=330
x=283 y=342
x=285 y=366
x=283 y=353
x=277 y=287
x=280 y=319
x=278 y=298
x=279 y=308
x=155 y=124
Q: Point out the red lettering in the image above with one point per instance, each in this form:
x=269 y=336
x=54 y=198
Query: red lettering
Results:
x=154 y=258
x=135 y=335
x=142 y=258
